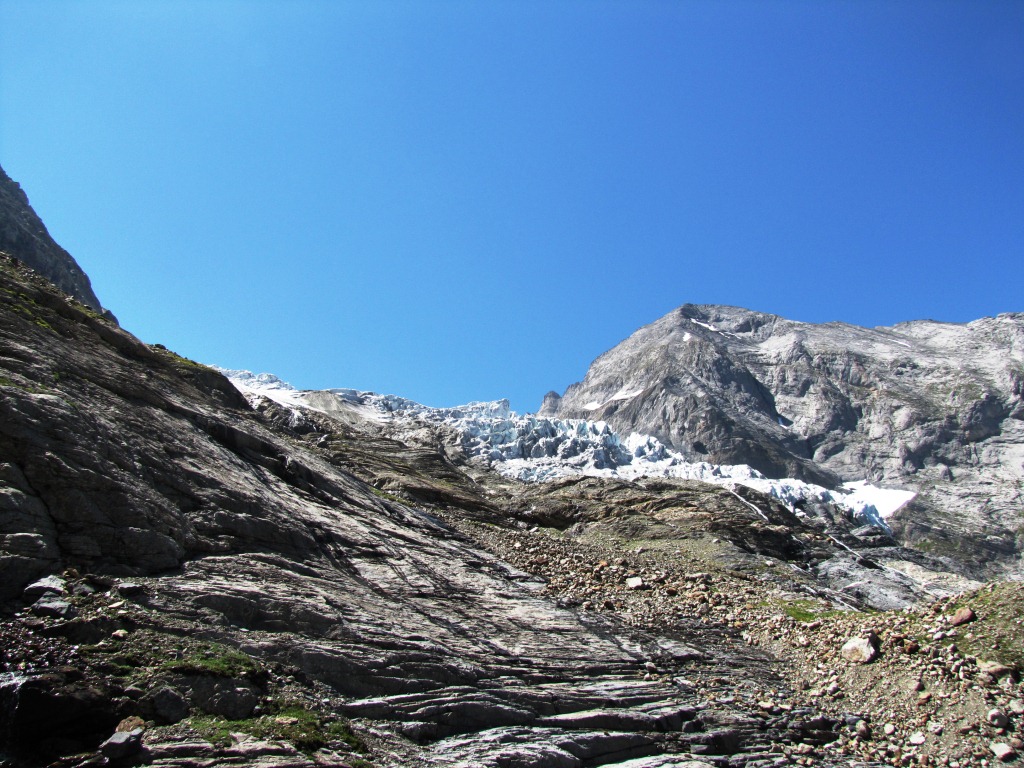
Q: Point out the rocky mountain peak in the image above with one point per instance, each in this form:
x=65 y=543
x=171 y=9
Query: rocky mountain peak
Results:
x=928 y=406
x=549 y=406
x=24 y=236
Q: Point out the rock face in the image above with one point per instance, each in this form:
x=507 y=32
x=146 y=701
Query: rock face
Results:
x=178 y=514
x=24 y=236
x=931 y=407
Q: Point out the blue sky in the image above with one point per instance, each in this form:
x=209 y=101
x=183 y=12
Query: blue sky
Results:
x=471 y=200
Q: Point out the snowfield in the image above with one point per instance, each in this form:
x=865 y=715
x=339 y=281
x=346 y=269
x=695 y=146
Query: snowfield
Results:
x=534 y=449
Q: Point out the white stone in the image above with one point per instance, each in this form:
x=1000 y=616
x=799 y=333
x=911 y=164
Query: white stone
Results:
x=997 y=718
x=1003 y=752
x=858 y=650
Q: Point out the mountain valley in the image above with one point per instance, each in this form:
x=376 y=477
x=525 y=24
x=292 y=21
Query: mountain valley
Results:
x=661 y=567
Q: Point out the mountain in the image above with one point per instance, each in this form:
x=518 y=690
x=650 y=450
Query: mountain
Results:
x=23 y=235
x=197 y=571
x=933 y=408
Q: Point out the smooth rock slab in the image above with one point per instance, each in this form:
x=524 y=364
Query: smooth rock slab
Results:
x=50 y=585
x=661 y=761
x=603 y=720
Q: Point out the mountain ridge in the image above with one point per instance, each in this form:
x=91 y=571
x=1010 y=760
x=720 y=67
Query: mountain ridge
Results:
x=932 y=407
x=23 y=234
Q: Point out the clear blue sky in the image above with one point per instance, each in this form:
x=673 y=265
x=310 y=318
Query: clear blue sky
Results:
x=471 y=200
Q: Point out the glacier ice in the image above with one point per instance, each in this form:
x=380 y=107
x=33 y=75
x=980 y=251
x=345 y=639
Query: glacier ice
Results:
x=531 y=448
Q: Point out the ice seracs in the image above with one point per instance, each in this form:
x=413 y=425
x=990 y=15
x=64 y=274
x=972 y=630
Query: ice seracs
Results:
x=537 y=449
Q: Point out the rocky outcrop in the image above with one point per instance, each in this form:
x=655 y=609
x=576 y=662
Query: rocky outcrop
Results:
x=23 y=236
x=931 y=407
x=227 y=562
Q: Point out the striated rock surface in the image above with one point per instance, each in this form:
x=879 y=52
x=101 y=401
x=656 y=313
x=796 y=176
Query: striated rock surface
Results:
x=23 y=235
x=122 y=460
x=231 y=578
x=931 y=407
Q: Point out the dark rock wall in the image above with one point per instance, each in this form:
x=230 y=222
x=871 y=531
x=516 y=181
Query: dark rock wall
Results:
x=23 y=235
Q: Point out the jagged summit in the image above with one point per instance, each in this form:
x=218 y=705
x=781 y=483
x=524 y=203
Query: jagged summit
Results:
x=928 y=406
x=24 y=236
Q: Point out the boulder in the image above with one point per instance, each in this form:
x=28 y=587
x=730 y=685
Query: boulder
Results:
x=169 y=705
x=233 y=703
x=122 y=744
x=996 y=669
x=1003 y=752
x=963 y=616
x=997 y=718
x=51 y=605
x=859 y=650
x=51 y=585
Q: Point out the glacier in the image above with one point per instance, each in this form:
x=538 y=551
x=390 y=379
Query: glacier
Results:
x=538 y=449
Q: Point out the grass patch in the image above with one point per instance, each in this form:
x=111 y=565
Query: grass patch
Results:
x=30 y=388
x=215 y=730
x=27 y=307
x=805 y=610
x=177 y=359
x=995 y=636
x=301 y=727
x=385 y=495
x=213 y=659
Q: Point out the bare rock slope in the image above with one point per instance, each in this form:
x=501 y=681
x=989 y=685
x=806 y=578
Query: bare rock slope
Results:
x=926 y=406
x=122 y=461
x=23 y=235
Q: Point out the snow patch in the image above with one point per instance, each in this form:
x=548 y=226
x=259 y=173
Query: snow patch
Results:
x=886 y=501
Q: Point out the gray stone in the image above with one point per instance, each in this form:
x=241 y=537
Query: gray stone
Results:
x=169 y=705
x=51 y=605
x=122 y=744
x=996 y=669
x=130 y=588
x=997 y=718
x=53 y=585
x=234 y=703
